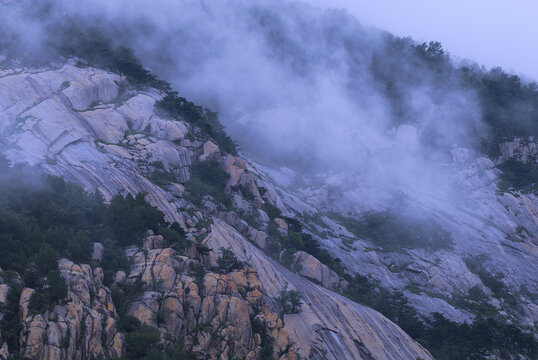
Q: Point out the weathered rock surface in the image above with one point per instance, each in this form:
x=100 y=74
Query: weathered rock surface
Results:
x=502 y=228
x=83 y=327
x=216 y=317
x=95 y=147
x=313 y=269
x=524 y=150
x=329 y=323
x=72 y=122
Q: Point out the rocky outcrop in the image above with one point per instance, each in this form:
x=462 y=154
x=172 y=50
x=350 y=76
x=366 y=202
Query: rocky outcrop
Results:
x=524 y=150
x=104 y=143
x=212 y=317
x=83 y=326
x=312 y=268
x=501 y=228
x=211 y=151
x=329 y=324
x=115 y=143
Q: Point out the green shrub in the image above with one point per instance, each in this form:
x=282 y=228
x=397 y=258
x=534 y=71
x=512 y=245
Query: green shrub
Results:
x=297 y=240
x=128 y=324
x=271 y=210
x=159 y=317
x=228 y=262
x=46 y=259
x=394 y=231
x=289 y=302
x=162 y=177
x=43 y=298
x=206 y=120
x=11 y=324
x=130 y=217
x=39 y=302
x=517 y=175
x=174 y=235
x=492 y=281
x=57 y=285
x=287 y=258
x=128 y=293
x=266 y=341
x=208 y=178
x=141 y=342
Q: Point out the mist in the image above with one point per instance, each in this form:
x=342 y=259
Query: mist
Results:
x=297 y=87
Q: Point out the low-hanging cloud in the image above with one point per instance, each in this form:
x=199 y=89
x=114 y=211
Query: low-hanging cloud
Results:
x=294 y=85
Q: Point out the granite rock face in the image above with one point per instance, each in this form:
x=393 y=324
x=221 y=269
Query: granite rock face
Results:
x=501 y=229
x=84 y=327
x=213 y=319
x=329 y=325
x=77 y=123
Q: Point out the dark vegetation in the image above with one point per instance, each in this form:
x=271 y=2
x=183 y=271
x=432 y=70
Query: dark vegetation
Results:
x=258 y=327
x=517 y=175
x=208 y=178
x=446 y=340
x=228 y=262
x=160 y=176
x=509 y=105
x=58 y=219
x=298 y=240
x=492 y=281
x=392 y=230
x=289 y=302
x=207 y=120
x=143 y=342
x=56 y=291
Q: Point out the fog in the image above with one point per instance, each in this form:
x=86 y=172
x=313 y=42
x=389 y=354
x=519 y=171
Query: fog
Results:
x=492 y=32
x=293 y=84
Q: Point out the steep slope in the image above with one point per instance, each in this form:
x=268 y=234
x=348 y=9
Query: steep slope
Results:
x=497 y=230
x=92 y=128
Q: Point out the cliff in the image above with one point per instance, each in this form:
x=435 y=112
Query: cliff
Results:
x=90 y=127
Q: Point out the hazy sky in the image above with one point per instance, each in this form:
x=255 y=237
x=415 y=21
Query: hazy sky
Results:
x=492 y=32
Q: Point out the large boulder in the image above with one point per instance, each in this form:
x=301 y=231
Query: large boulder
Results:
x=167 y=129
x=211 y=151
x=312 y=268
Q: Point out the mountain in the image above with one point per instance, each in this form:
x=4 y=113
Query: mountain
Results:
x=74 y=122
x=132 y=226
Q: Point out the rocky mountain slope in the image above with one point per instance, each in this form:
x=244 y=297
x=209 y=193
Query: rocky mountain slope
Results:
x=94 y=129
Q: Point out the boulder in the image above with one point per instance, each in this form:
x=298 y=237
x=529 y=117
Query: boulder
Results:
x=153 y=242
x=312 y=268
x=167 y=129
x=24 y=300
x=97 y=255
x=282 y=226
x=119 y=277
x=211 y=151
x=4 y=289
